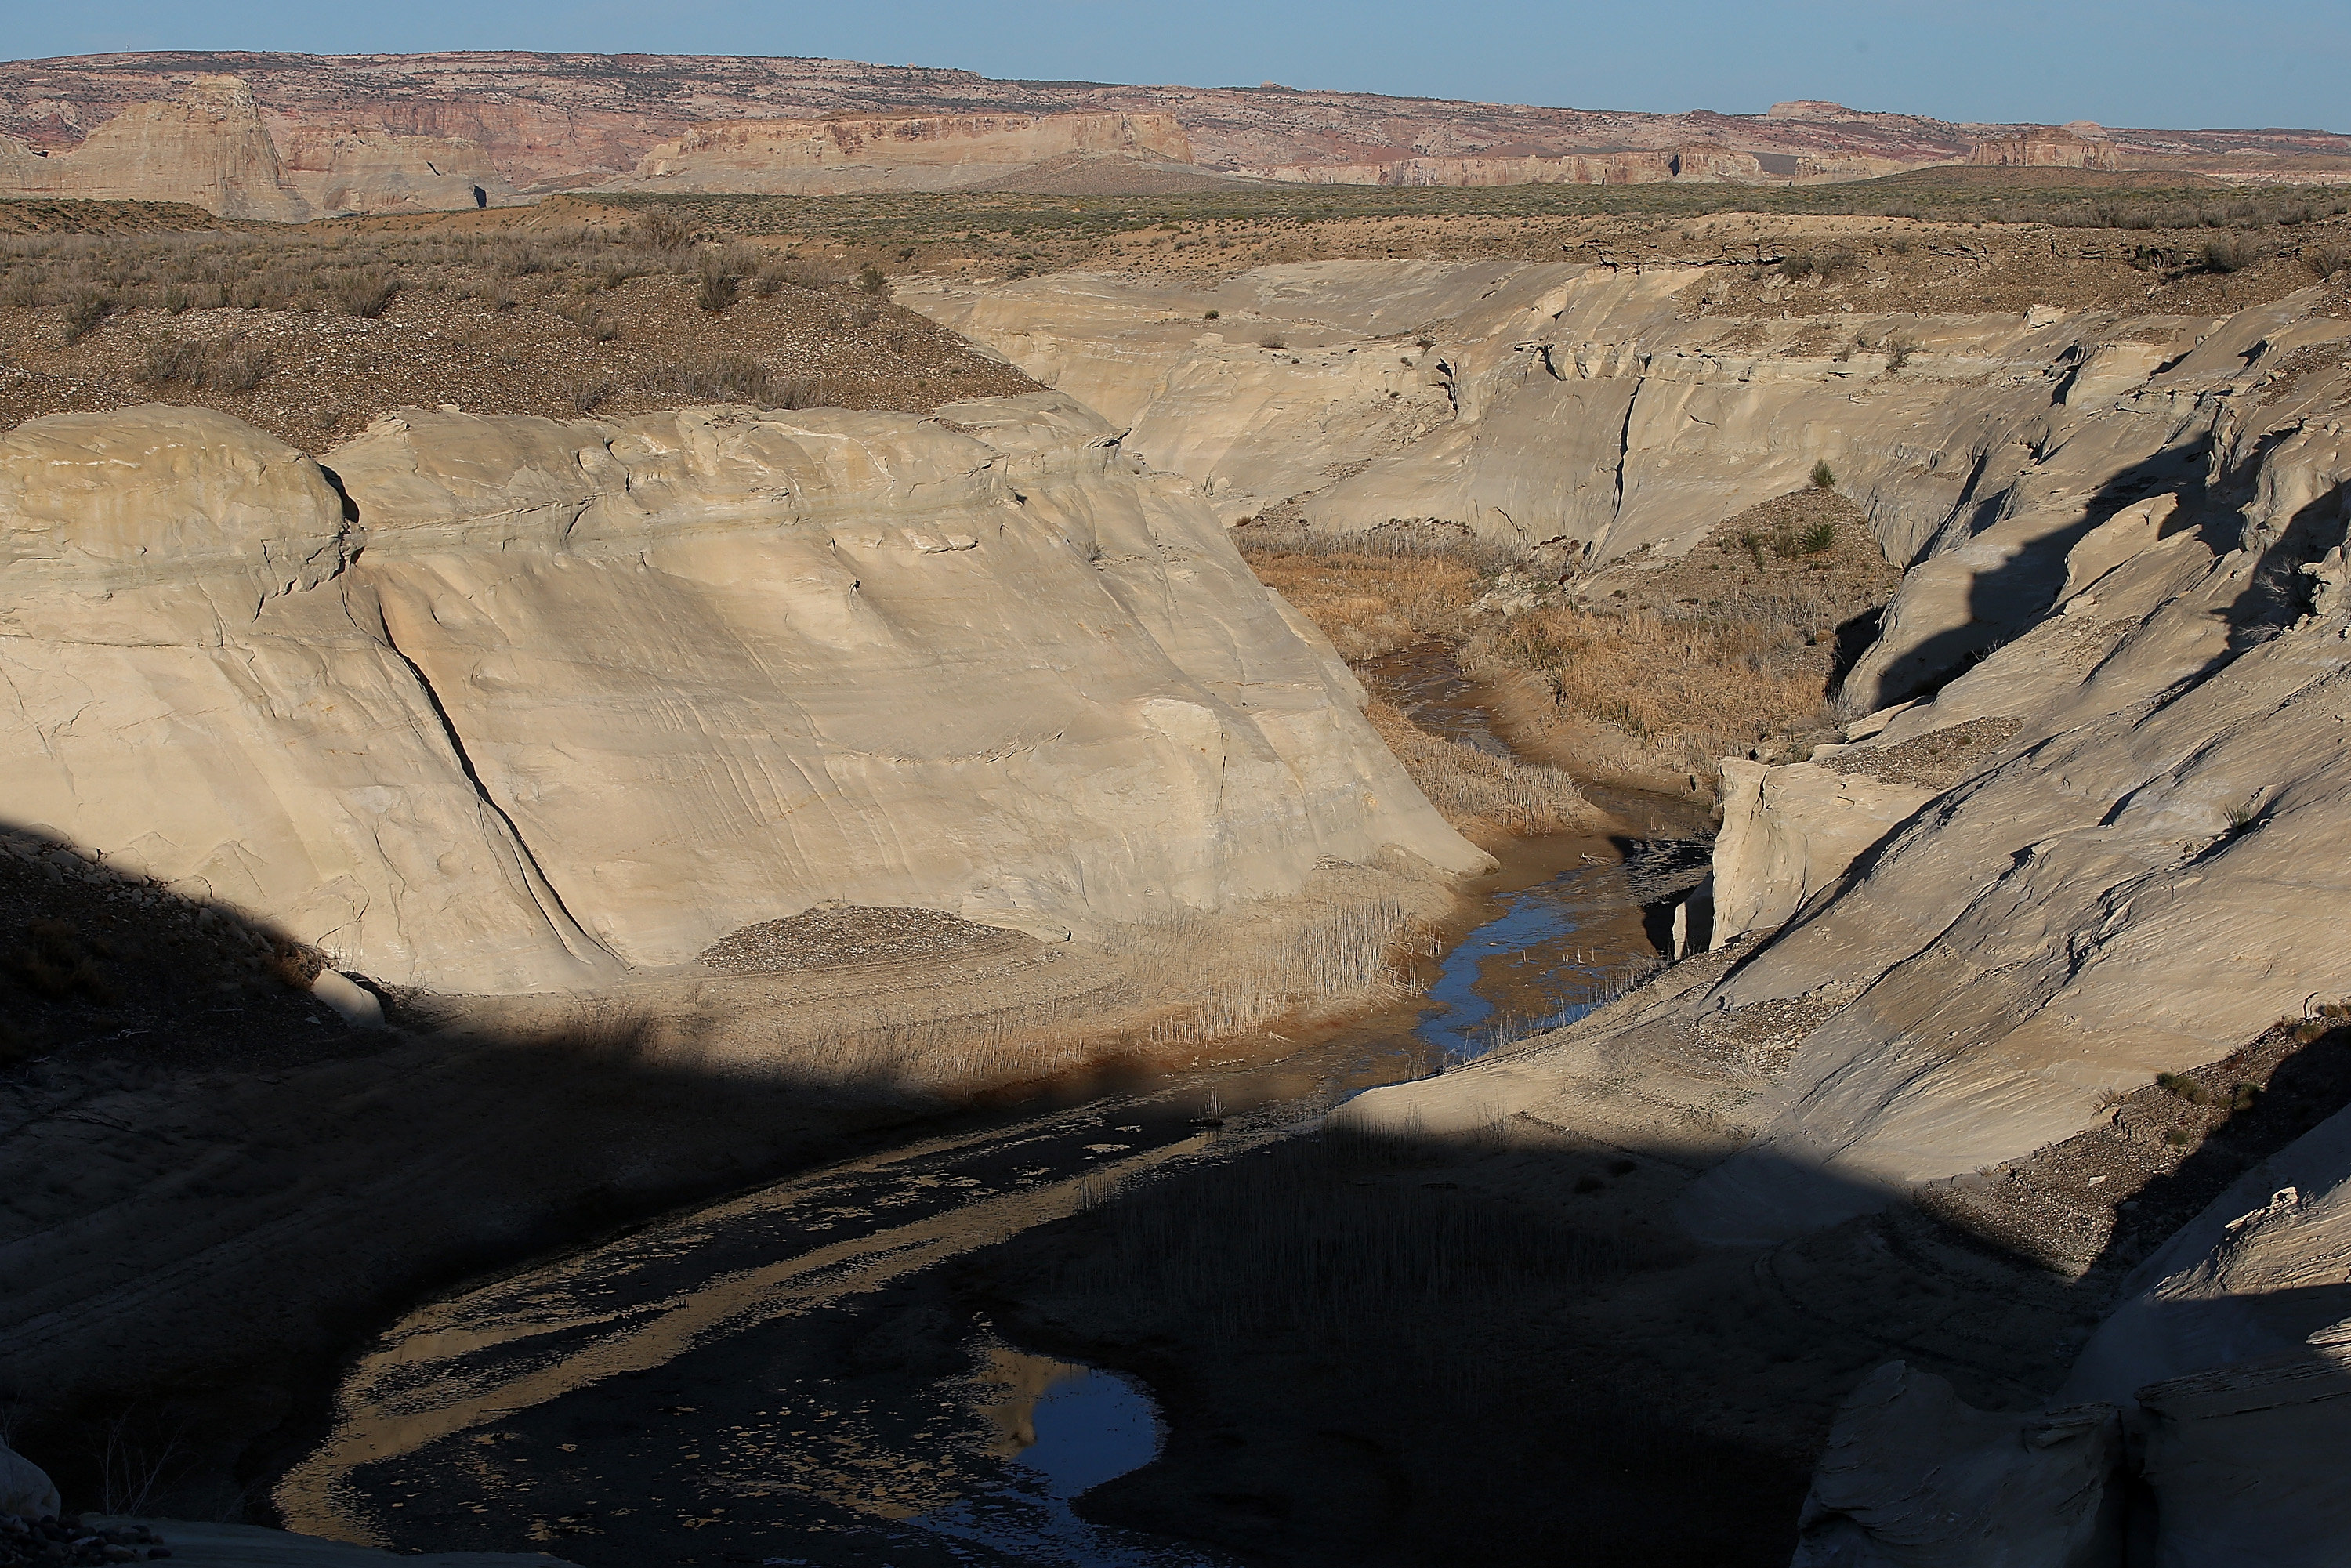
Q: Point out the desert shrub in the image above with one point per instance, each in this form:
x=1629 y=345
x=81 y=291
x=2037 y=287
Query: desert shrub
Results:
x=2180 y=1086
x=1820 y=537
x=520 y=261
x=733 y=378
x=2224 y=255
x=217 y=364
x=58 y=964
x=1827 y=265
x=714 y=284
x=1898 y=352
x=294 y=965
x=84 y=310
x=1210 y=315
x=2326 y=260
x=871 y=281
x=1273 y=340
x=366 y=291
x=663 y=230
x=587 y=393
x=1824 y=478
x=614 y=271
x=802 y=273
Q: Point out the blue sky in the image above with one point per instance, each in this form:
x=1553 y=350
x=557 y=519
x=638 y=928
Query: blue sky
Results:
x=2144 y=62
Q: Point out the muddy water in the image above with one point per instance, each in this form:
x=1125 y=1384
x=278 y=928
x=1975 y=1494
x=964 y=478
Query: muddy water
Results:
x=785 y=1378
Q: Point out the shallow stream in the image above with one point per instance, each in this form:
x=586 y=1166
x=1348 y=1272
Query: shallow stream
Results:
x=780 y=1378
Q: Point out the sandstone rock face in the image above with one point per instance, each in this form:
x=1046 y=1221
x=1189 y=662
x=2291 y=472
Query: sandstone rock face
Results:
x=209 y=149
x=929 y=153
x=2140 y=876
x=1787 y=833
x=26 y=1489
x=1912 y=1477
x=529 y=702
x=558 y=121
x=1597 y=407
x=2230 y=1364
x=340 y=169
x=1696 y=164
x=2045 y=147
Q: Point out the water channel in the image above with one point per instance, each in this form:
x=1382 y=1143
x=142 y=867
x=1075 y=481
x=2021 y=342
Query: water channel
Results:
x=775 y=1379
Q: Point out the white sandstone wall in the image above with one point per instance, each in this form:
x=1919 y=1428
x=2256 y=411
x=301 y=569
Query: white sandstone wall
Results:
x=561 y=699
x=1607 y=407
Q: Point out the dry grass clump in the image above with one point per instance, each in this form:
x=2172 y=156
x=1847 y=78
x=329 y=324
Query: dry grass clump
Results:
x=230 y=364
x=1366 y=603
x=1733 y=646
x=1469 y=785
x=731 y=378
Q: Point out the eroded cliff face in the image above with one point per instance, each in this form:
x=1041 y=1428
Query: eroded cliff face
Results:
x=508 y=703
x=208 y=148
x=1605 y=409
x=2127 y=858
x=927 y=152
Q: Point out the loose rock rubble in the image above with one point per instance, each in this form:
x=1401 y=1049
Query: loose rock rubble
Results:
x=65 y=1543
x=851 y=933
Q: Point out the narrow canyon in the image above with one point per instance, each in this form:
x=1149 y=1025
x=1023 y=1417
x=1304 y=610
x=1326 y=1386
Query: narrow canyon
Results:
x=1606 y=888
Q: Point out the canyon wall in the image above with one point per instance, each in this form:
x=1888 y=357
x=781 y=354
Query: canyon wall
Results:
x=393 y=132
x=1647 y=166
x=507 y=704
x=935 y=153
x=1599 y=410
x=2134 y=872
x=207 y=147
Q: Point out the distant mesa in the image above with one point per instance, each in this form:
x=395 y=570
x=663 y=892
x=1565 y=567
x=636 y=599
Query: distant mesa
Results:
x=292 y=137
x=2041 y=148
x=922 y=153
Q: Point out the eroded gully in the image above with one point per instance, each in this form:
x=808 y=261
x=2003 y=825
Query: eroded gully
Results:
x=779 y=1379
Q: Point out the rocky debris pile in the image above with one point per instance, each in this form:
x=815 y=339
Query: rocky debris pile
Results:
x=838 y=933
x=65 y=1541
x=36 y=1533
x=1935 y=760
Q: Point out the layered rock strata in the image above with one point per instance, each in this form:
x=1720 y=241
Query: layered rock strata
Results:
x=548 y=121
x=2199 y=1426
x=2109 y=848
x=1599 y=410
x=930 y=152
x=507 y=704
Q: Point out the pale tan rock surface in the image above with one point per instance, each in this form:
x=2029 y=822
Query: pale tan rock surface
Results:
x=2229 y=1362
x=340 y=169
x=926 y=153
x=208 y=148
x=1789 y=833
x=26 y=1489
x=559 y=120
x=2132 y=867
x=1912 y=1477
x=1603 y=409
x=2264 y=1271
x=556 y=700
